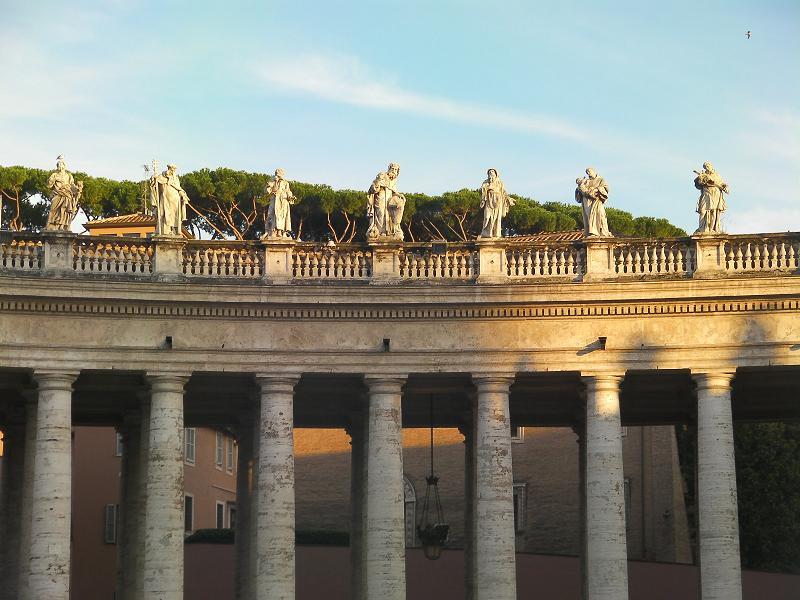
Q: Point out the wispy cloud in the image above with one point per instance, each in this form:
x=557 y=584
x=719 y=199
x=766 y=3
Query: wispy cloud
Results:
x=346 y=80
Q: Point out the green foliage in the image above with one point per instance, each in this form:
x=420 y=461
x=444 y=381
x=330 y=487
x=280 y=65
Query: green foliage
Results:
x=768 y=491
x=231 y=204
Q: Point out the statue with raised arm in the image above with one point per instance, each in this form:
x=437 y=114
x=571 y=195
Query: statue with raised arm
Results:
x=495 y=203
x=711 y=203
x=64 y=196
x=591 y=194
x=279 y=218
x=169 y=200
x=385 y=205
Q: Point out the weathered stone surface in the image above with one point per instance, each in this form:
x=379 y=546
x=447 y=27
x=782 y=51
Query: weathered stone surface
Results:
x=606 y=551
x=718 y=517
x=495 y=576
x=52 y=488
x=164 y=517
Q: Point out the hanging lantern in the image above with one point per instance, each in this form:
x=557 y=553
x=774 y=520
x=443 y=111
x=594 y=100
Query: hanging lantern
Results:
x=432 y=529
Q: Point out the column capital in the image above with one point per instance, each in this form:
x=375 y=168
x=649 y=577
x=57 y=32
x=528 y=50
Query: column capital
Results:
x=606 y=382
x=167 y=382
x=714 y=380
x=276 y=383
x=55 y=380
x=385 y=384
x=494 y=383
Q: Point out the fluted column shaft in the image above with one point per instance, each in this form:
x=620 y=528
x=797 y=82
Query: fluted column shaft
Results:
x=23 y=566
x=276 y=503
x=51 y=504
x=356 y=432
x=244 y=491
x=468 y=431
x=131 y=483
x=720 y=567
x=11 y=502
x=384 y=534
x=164 y=516
x=606 y=548
x=496 y=577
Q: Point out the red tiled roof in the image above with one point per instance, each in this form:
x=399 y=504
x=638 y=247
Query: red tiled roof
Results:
x=549 y=236
x=135 y=219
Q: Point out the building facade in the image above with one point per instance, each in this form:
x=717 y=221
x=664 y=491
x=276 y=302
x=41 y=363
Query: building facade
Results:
x=593 y=336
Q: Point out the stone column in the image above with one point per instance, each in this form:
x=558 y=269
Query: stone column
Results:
x=131 y=483
x=580 y=431
x=606 y=551
x=164 y=516
x=275 y=547
x=384 y=532
x=252 y=522
x=243 y=495
x=11 y=502
x=23 y=566
x=356 y=432
x=140 y=534
x=468 y=431
x=496 y=575
x=52 y=488
x=720 y=567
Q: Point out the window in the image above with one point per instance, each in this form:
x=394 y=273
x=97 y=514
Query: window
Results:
x=517 y=433
x=410 y=512
x=220 y=514
x=624 y=432
x=230 y=454
x=110 y=528
x=627 y=492
x=120 y=444
x=188 y=512
x=232 y=515
x=219 y=450
x=190 y=434
x=520 y=502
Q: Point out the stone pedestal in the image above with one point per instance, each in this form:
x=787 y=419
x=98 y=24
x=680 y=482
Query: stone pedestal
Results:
x=168 y=255
x=384 y=532
x=599 y=258
x=164 y=520
x=52 y=488
x=385 y=259
x=57 y=251
x=492 y=261
x=718 y=517
x=496 y=576
x=709 y=252
x=275 y=545
x=606 y=548
x=278 y=267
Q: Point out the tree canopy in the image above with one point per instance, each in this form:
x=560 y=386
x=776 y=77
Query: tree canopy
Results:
x=230 y=204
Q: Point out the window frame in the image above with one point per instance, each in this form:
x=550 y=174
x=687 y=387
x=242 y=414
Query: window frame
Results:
x=110 y=523
x=230 y=457
x=190 y=497
x=219 y=449
x=186 y=436
x=519 y=491
x=520 y=436
x=120 y=448
x=219 y=510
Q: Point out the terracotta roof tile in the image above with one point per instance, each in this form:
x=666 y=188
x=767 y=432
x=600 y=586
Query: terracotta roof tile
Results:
x=122 y=220
x=549 y=236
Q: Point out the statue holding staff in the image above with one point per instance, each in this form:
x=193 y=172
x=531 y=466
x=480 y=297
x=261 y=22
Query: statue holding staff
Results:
x=279 y=218
x=169 y=200
x=592 y=193
x=495 y=203
x=65 y=196
x=385 y=205
x=711 y=203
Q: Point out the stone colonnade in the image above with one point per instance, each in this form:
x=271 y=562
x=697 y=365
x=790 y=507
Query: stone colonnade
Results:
x=37 y=487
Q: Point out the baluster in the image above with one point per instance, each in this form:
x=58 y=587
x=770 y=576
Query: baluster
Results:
x=792 y=257
x=782 y=256
x=681 y=260
x=570 y=262
x=628 y=259
x=774 y=257
x=747 y=258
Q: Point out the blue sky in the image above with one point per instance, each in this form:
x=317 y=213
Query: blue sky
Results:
x=333 y=91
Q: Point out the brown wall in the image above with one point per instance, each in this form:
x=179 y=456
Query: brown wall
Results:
x=324 y=573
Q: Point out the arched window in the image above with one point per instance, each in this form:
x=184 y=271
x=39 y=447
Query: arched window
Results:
x=410 y=513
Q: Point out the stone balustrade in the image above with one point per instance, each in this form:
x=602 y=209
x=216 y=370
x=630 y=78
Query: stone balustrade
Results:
x=492 y=261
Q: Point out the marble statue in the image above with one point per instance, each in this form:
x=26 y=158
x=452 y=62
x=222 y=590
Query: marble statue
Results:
x=495 y=203
x=169 y=200
x=711 y=203
x=385 y=205
x=279 y=218
x=65 y=194
x=592 y=193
